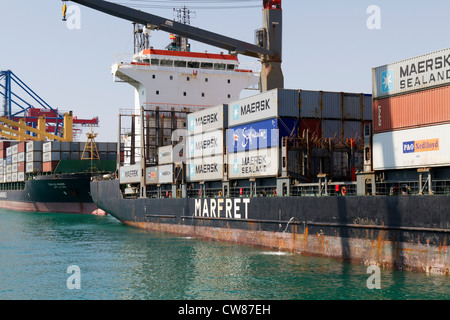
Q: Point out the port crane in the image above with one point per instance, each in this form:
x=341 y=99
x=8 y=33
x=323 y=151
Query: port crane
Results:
x=268 y=39
x=26 y=116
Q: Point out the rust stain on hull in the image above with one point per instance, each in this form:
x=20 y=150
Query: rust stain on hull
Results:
x=389 y=254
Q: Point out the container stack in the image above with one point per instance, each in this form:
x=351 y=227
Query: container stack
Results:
x=205 y=144
x=334 y=114
x=33 y=157
x=253 y=141
x=3 y=146
x=411 y=115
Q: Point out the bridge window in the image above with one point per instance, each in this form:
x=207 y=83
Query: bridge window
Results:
x=206 y=65
x=166 y=63
x=230 y=66
x=219 y=66
x=180 y=64
x=193 y=64
x=154 y=62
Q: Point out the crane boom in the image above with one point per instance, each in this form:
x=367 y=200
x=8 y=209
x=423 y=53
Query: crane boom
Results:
x=269 y=50
x=159 y=23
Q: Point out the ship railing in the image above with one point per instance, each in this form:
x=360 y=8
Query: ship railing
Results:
x=316 y=189
x=408 y=187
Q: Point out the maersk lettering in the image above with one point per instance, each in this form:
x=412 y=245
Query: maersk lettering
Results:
x=255 y=107
x=206 y=168
x=236 y=208
x=425 y=72
x=210 y=118
x=206 y=144
x=131 y=173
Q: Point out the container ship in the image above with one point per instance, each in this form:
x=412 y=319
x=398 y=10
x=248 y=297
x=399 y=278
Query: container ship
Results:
x=307 y=172
x=51 y=176
x=352 y=176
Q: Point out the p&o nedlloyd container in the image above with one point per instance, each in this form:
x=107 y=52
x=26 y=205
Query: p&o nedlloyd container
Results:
x=418 y=73
x=413 y=148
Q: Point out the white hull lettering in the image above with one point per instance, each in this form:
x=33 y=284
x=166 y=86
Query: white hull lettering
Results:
x=222 y=208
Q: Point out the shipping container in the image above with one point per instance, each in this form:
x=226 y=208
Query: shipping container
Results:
x=33 y=167
x=51 y=156
x=412 y=148
x=14 y=177
x=254 y=163
x=49 y=166
x=151 y=175
x=2 y=153
x=14 y=167
x=8 y=168
x=21 y=147
x=14 y=158
x=165 y=174
x=165 y=155
x=331 y=105
x=75 y=155
x=418 y=73
x=65 y=146
x=261 y=135
x=8 y=151
x=33 y=156
x=130 y=174
x=21 y=157
x=14 y=149
x=426 y=107
x=205 y=144
x=205 y=169
x=34 y=146
x=51 y=146
x=313 y=125
x=208 y=119
x=8 y=177
x=4 y=145
x=266 y=105
x=21 y=167
x=20 y=176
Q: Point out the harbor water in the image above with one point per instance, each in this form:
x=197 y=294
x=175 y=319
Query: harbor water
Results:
x=54 y=256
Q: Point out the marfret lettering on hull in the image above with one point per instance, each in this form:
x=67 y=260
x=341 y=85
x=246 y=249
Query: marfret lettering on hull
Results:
x=236 y=208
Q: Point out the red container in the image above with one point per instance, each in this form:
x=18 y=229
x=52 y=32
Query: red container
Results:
x=49 y=166
x=4 y=145
x=21 y=147
x=21 y=167
x=313 y=125
x=422 y=108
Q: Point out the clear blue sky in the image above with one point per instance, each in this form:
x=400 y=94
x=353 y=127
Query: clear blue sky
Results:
x=326 y=46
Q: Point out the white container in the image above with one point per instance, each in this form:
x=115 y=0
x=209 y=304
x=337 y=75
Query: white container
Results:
x=14 y=149
x=8 y=168
x=425 y=71
x=14 y=177
x=130 y=174
x=33 y=167
x=165 y=155
x=266 y=105
x=165 y=174
x=8 y=151
x=212 y=118
x=51 y=146
x=34 y=146
x=8 y=177
x=205 y=169
x=253 y=163
x=51 y=156
x=413 y=148
x=33 y=156
x=205 y=144
x=14 y=158
x=21 y=157
x=21 y=176
x=151 y=175
x=14 y=167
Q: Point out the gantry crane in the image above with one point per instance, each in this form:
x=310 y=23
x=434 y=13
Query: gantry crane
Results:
x=267 y=49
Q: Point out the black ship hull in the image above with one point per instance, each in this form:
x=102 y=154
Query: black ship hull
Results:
x=402 y=232
x=67 y=193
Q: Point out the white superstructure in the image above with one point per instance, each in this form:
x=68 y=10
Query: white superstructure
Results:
x=180 y=80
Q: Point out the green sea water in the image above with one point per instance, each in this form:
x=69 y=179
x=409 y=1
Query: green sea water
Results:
x=38 y=252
